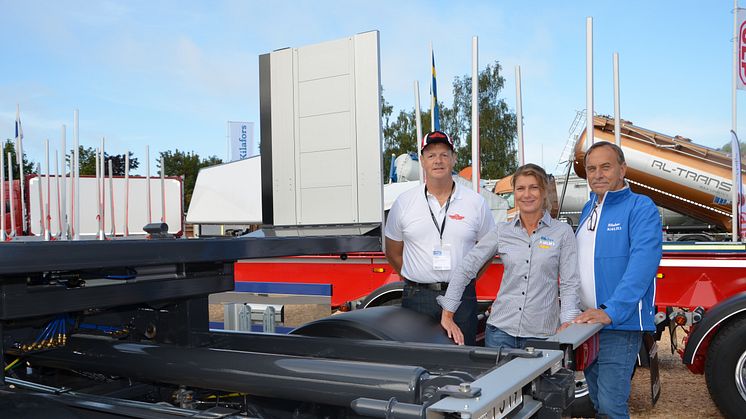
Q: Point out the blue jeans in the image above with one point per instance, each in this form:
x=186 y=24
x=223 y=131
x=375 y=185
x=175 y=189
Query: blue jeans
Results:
x=423 y=301
x=494 y=337
x=609 y=377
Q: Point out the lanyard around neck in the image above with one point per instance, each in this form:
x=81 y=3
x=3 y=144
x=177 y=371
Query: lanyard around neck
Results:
x=442 y=227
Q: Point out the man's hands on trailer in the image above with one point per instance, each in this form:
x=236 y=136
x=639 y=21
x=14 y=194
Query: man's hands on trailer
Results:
x=593 y=315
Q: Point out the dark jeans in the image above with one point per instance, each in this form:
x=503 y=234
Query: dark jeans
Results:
x=422 y=300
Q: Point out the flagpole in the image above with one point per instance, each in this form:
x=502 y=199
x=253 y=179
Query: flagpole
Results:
x=62 y=190
x=589 y=135
x=3 y=233
x=111 y=200
x=76 y=182
x=147 y=183
x=475 y=113
x=432 y=85
x=11 y=196
x=735 y=198
x=48 y=219
x=19 y=160
x=126 y=193
x=41 y=201
x=98 y=195
x=59 y=192
x=418 y=123
x=617 y=114
x=736 y=41
x=102 y=162
x=163 y=189
x=519 y=115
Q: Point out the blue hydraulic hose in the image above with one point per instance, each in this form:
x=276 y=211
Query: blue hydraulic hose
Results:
x=46 y=332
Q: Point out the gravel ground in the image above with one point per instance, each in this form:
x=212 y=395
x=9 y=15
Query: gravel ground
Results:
x=683 y=393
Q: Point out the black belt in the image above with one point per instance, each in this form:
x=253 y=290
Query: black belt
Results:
x=435 y=286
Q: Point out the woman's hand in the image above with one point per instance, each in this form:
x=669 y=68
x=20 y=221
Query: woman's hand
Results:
x=454 y=332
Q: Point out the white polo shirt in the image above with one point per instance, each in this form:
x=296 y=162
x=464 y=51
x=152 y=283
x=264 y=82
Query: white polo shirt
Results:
x=586 y=261
x=409 y=221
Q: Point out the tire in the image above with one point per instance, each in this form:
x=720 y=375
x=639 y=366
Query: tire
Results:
x=387 y=295
x=695 y=238
x=582 y=406
x=725 y=369
x=378 y=323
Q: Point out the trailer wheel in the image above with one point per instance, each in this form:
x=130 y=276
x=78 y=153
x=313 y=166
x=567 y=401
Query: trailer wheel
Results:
x=695 y=238
x=725 y=369
x=387 y=295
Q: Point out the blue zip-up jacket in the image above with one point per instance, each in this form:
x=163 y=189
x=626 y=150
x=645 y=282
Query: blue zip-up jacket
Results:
x=628 y=250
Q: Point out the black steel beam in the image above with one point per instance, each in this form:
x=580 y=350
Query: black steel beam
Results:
x=26 y=257
x=436 y=358
x=54 y=300
x=265 y=143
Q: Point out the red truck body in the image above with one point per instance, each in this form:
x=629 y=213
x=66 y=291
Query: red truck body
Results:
x=686 y=278
x=16 y=207
x=689 y=276
x=352 y=278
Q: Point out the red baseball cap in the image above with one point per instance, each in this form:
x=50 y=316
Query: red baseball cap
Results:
x=436 y=137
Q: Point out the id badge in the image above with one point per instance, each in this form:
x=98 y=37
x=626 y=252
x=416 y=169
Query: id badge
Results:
x=442 y=257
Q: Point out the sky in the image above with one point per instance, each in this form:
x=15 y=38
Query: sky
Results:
x=170 y=74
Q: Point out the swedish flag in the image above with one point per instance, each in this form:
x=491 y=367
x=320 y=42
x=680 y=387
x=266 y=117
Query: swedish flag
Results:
x=434 y=115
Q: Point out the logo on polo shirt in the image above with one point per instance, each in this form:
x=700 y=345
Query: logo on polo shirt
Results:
x=614 y=227
x=456 y=216
x=546 y=242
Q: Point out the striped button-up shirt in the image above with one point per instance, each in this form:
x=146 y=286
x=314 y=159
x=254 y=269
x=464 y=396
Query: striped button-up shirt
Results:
x=539 y=267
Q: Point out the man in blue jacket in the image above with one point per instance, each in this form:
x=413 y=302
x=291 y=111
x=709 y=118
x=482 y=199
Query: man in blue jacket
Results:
x=619 y=249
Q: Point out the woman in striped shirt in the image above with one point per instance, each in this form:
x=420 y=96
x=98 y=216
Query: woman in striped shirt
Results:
x=540 y=261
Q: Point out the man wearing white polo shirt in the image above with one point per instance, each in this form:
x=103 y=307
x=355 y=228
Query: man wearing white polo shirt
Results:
x=429 y=231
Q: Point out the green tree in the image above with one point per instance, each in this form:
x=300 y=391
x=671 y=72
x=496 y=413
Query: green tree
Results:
x=118 y=162
x=398 y=135
x=728 y=149
x=187 y=165
x=497 y=125
x=28 y=165
x=87 y=159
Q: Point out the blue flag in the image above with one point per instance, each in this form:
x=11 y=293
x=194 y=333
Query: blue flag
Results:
x=19 y=130
x=434 y=99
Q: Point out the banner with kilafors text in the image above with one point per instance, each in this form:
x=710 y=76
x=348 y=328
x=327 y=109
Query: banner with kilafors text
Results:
x=241 y=140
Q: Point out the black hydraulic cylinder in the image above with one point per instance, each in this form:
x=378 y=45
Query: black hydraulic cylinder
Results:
x=325 y=381
x=389 y=409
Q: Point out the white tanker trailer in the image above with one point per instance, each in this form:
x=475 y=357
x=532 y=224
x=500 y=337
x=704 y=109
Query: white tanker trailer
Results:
x=674 y=172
